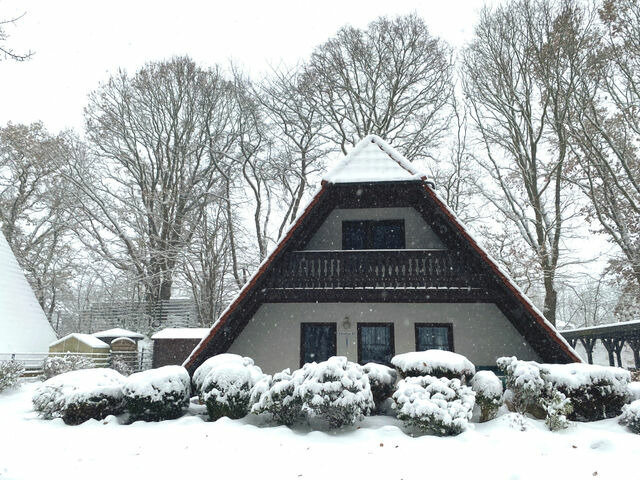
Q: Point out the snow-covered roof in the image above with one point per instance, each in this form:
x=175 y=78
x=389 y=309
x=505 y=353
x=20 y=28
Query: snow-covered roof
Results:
x=23 y=325
x=122 y=339
x=373 y=160
x=181 y=333
x=118 y=332
x=606 y=326
x=85 y=338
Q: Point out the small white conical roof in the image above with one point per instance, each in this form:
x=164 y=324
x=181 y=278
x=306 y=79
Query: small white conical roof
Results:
x=373 y=160
x=24 y=328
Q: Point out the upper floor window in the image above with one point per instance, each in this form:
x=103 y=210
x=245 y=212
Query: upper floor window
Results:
x=373 y=234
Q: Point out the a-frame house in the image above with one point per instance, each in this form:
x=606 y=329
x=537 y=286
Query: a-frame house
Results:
x=377 y=265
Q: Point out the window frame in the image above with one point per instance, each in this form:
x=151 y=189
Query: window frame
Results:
x=449 y=327
x=376 y=324
x=369 y=230
x=303 y=325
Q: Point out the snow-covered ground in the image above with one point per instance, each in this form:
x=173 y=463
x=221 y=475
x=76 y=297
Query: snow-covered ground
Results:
x=377 y=448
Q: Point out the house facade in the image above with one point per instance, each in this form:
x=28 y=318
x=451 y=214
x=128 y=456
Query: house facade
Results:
x=378 y=265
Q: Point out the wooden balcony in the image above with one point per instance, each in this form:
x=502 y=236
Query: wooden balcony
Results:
x=373 y=269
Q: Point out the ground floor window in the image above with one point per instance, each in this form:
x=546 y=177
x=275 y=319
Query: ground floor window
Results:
x=317 y=342
x=434 y=336
x=375 y=343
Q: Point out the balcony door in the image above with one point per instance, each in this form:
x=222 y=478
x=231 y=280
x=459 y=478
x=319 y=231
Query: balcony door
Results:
x=317 y=342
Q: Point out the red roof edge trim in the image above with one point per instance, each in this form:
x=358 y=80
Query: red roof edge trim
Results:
x=552 y=331
x=253 y=281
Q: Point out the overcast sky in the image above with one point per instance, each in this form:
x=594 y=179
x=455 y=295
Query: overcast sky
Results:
x=78 y=43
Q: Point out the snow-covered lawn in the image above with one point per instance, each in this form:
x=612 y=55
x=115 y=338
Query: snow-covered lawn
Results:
x=377 y=448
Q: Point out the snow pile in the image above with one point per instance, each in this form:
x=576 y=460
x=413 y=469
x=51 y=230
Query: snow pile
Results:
x=382 y=380
x=10 y=373
x=335 y=391
x=80 y=395
x=488 y=389
x=203 y=370
x=58 y=364
x=631 y=416
x=437 y=363
x=227 y=385
x=634 y=391
x=274 y=395
x=157 y=394
x=434 y=405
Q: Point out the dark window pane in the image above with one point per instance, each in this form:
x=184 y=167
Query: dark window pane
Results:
x=387 y=235
x=373 y=234
x=318 y=342
x=432 y=338
x=353 y=235
x=375 y=343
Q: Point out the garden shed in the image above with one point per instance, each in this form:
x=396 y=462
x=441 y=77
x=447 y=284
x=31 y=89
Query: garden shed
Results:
x=108 y=336
x=172 y=346
x=79 y=343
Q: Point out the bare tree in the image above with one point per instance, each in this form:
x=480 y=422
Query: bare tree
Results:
x=6 y=51
x=156 y=137
x=519 y=74
x=392 y=79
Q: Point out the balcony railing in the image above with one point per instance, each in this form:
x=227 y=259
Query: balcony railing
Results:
x=374 y=269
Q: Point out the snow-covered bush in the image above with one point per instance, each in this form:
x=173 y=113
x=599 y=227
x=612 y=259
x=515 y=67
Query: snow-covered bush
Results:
x=488 y=388
x=440 y=406
x=158 y=394
x=382 y=380
x=57 y=364
x=633 y=391
x=203 y=370
x=596 y=392
x=10 y=373
x=525 y=386
x=120 y=365
x=80 y=395
x=336 y=391
x=226 y=388
x=558 y=408
x=274 y=395
x=436 y=363
x=631 y=416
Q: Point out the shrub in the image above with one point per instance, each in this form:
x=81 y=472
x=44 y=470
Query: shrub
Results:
x=275 y=396
x=57 y=364
x=631 y=416
x=335 y=391
x=596 y=392
x=558 y=407
x=382 y=380
x=525 y=386
x=120 y=365
x=488 y=389
x=440 y=406
x=80 y=395
x=10 y=373
x=157 y=394
x=436 y=363
x=226 y=389
x=633 y=391
x=203 y=370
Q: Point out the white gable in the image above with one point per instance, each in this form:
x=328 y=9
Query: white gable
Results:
x=23 y=325
x=373 y=160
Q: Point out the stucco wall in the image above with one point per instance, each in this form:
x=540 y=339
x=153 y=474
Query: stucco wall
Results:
x=418 y=233
x=480 y=331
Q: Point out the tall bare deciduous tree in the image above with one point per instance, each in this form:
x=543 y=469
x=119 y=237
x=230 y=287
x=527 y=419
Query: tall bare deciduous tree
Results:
x=393 y=79
x=155 y=138
x=6 y=52
x=519 y=73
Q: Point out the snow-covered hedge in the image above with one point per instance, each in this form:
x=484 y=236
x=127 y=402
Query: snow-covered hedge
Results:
x=631 y=416
x=382 y=380
x=10 y=373
x=488 y=388
x=203 y=370
x=80 y=395
x=436 y=363
x=57 y=364
x=120 y=364
x=226 y=388
x=274 y=395
x=158 y=394
x=633 y=391
x=440 y=406
x=336 y=391
x=525 y=386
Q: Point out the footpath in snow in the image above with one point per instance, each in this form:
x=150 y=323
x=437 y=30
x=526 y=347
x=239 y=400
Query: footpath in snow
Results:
x=376 y=448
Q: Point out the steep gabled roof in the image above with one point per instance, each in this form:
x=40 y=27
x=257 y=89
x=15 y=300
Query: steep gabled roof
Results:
x=379 y=162
x=373 y=160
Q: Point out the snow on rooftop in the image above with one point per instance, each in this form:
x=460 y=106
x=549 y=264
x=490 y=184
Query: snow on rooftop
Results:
x=118 y=332
x=606 y=325
x=373 y=160
x=23 y=325
x=181 y=333
x=84 y=338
